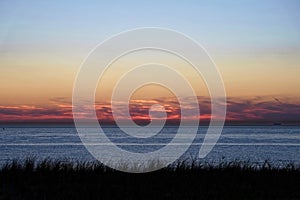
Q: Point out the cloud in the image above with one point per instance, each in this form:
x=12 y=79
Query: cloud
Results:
x=262 y=109
x=255 y=109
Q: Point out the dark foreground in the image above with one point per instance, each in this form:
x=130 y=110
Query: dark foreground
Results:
x=67 y=180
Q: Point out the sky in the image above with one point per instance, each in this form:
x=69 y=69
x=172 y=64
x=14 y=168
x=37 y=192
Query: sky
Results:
x=255 y=44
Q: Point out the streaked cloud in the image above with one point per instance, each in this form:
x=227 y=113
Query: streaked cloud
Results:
x=255 y=109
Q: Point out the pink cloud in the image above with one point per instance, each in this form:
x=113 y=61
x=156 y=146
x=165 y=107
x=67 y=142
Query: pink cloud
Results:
x=256 y=109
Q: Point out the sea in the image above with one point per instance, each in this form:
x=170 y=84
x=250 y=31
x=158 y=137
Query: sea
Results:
x=279 y=145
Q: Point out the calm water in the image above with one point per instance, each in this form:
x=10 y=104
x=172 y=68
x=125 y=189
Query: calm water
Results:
x=278 y=144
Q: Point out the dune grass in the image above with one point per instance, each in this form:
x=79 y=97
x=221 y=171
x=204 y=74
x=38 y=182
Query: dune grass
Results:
x=63 y=179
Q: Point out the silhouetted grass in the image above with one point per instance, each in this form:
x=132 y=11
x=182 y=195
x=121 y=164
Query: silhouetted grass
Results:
x=58 y=179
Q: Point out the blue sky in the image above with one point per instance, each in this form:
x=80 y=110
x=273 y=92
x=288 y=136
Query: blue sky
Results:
x=256 y=44
x=222 y=24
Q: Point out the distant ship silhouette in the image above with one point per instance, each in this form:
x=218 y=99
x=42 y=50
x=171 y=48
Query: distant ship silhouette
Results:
x=277 y=123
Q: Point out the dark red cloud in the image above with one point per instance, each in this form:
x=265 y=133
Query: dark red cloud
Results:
x=263 y=109
x=241 y=110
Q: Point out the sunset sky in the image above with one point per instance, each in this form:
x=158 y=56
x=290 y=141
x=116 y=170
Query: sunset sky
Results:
x=255 y=44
